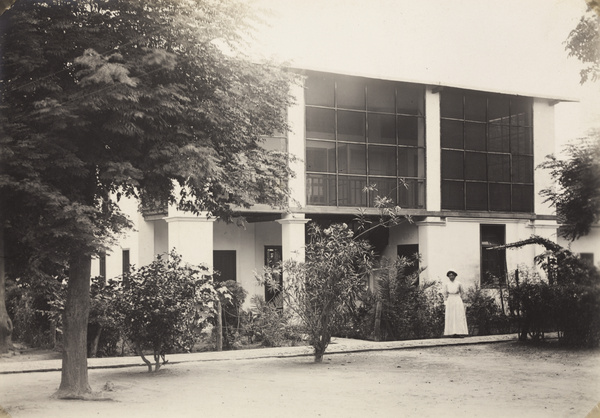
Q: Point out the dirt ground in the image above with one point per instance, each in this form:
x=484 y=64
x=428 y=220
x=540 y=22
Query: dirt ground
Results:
x=487 y=380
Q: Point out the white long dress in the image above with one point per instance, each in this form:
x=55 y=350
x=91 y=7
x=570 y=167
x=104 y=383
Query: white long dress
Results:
x=456 y=320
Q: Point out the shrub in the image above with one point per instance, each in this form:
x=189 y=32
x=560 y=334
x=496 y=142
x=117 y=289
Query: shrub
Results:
x=232 y=312
x=320 y=290
x=484 y=314
x=407 y=310
x=35 y=307
x=164 y=304
x=104 y=324
x=270 y=325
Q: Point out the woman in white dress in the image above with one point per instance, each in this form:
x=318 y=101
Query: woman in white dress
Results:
x=456 y=320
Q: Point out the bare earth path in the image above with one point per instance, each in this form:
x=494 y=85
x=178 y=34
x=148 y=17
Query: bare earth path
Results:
x=486 y=380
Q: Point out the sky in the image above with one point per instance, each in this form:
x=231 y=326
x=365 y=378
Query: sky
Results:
x=511 y=46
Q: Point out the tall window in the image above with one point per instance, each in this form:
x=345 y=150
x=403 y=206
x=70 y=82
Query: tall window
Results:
x=362 y=132
x=487 y=151
x=126 y=262
x=493 y=262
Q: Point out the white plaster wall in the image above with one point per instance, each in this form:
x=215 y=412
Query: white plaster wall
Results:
x=543 y=144
x=296 y=148
x=248 y=242
x=433 y=164
x=588 y=244
x=127 y=241
x=405 y=233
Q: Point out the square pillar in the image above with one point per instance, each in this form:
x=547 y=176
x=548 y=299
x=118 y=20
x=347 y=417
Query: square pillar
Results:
x=192 y=238
x=292 y=236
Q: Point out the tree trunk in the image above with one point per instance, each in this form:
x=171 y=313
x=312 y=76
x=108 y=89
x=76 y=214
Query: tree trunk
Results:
x=6 y=325
x=74 y=378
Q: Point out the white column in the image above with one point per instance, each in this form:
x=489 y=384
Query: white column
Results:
x=432 y=248
x=146 y=241
x=543 y=144
x=192 y=238
x=432 y=149
x=296 y=135
x=292 y=236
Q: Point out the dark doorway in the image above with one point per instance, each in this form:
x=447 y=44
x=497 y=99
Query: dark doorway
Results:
x=224 y=262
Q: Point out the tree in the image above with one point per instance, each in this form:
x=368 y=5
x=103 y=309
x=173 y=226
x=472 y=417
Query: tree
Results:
x=153 y=100
x=583 y=43
x=577 y=197
x=320 y=290
x=164 y=304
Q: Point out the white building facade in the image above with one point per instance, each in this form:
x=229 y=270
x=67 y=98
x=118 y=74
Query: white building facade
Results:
x=462 y=163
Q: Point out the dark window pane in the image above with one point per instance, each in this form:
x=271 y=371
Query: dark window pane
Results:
x=350 y=93
x=500 y=197
x=477 y=196
x=320 y=123
x=351 y=191
x=520 y=110
x=452 y=164
x=498 y=109
x=520 y=140
x=451 y=104
x=352 y=159
x=499 y=167
x=382 y=160
x=452 y=134
x=320 y=189
x=493 y=262
x=475 y=136
x=381 y=96
x=411 y=131
x=498 y=138
x=522 y=169
x=453 y=197
x=522 y=197
x=382 y=129
x=475 y=166
x=411 y=194
x=411 y=162
x=384 y=188
x=475 y=106
x=320 y=156
x=411 y=99
x=351 y=126
x=319 y=91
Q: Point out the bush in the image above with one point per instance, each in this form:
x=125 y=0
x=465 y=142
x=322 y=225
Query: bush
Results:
x=269 y=325
x=407 y=310
x=104 y=324
x=484 y=314
x=165 y=304
x=35 y=308
x=571 y=309
x=320 y=290
x=232 y=313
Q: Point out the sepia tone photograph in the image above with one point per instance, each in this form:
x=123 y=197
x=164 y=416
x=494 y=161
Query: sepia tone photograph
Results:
x=299 y=208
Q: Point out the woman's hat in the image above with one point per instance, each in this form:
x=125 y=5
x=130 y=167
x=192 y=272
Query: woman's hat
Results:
x=451 y=271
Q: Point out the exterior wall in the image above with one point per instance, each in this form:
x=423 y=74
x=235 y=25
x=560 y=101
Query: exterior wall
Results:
x=248 y=243
x=433 y=163
x=588 y=244
x=543 y=144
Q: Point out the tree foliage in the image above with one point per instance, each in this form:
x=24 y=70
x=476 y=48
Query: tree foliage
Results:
x=577 y=197
x=583 y=43
x=320 y=290
x=105 y=98
x=165 y=304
